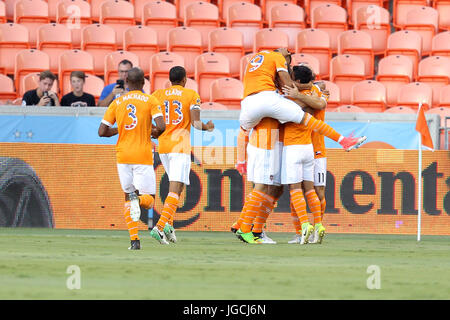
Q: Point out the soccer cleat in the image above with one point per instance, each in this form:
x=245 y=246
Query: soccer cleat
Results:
x=135 y=209
x=296 y=240
x=135 y=245
x=312 y=238
x=265 y=239
x=234 y=227
x=159 y=235
x=169 y=231
x=248 y=237
x=319 y=233
x=307 y=229
x=350 y=143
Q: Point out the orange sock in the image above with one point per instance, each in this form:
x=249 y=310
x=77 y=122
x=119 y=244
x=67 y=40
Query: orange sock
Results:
x=238 y=223
x=263 y=214
x=321 y=127
x=314 y=205
x=299 y=204
x=254 y=204
x=242 y=141
x=295 y=221
x=131 y=225
x=323 y=206
x=146 y=201
x=170 y=207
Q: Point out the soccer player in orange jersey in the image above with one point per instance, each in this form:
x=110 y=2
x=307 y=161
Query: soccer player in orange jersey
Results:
x=181 y=110
x=133 y=112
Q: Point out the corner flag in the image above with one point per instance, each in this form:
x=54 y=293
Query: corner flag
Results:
x=422 y=128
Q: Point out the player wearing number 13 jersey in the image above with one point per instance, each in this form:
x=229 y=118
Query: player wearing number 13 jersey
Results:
x=133 y=112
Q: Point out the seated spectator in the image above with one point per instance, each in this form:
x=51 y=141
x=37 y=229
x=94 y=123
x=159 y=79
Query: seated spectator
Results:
x=78 y=98
x=42 y=95
x=114 y=90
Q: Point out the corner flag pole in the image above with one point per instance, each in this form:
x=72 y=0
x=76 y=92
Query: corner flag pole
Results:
x=419 y=188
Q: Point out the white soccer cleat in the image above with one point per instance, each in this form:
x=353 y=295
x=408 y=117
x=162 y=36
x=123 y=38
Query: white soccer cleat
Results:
x=307 y=229
x=135 y=209
x=265 y=239
x=296 y=239
x=169 y=231
x=312 y=237
x=158 y=235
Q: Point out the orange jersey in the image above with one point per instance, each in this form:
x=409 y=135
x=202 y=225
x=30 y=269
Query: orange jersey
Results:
x=178 y=103
x=133 y=113
x=265 y=134
x=261 y=70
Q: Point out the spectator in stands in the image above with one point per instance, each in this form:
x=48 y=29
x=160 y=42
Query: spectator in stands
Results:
x=78 y=98
x=42 y=95
x=114 y=90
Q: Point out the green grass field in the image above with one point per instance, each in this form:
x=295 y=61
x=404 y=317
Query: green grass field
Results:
x=215 y=265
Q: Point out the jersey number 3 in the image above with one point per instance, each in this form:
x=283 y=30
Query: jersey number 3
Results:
x=178 y=106
x=132 y=115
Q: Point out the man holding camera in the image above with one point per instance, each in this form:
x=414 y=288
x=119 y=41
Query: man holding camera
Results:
x=115 y=90
x=42 y=95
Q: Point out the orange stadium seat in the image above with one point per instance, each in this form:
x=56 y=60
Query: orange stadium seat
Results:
x=267 y=5
x=358 y=43
x=243 y=65
x=393 y=72
x=407 y=43
x=444 y=97
x=309 y=59
x=317 y=43
x=208 y=67
x=190 y=84
x=7 y=91
x=270 y=39
x=99 y=40
x=354 y=5
x=288 y=18
x=188 y=43
x=247 y=18
x=401 y=9
x=225 y=4
x=413 y=93
x=142 y=41
x=53 y=39
x=31 y=14
x=349 y=108
x=369 y=95
x=9 y=9
x=335 y=95
x=52 y=8
x=204 y=17
x=181 y=7
x=73 y=60
x=66 y=10
x=2 y=12
x=29 y=60
x=13 y=38
x=94 y=85
x=230 y=43
x=310 y=5
x=374 y=20
x=160 y=16
x=400 y=109
x=435 y=71
x=30 y=82
x=213 y=106
x=160 y=65
x=119 y=15
x=112 y=61
x=96 y=9
x=443 y=7
x=139 y=8
x=345 y=71
x=331 y=19
x=440 y=46
x=227 y=91
x=424 y=21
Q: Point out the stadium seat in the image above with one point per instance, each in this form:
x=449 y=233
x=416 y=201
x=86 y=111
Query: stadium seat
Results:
x=435 y=71
x=99 y=40
x=424 y=21
x=31 y=14
x=374 y=20
x=73 y=60
x=204 y=17
x=96 y=9
x=270 y=39
x=31 y=82
x=139 y=8
x=408 y=43
x=310 y=5
x=29 y=60
x=66 y=9
x=288 y=18
x=413 y=93
x=119 y=15
x=225 y=4
x=247 y=18
x=13 y=38
x=444 y=97
x=160 y=64
x=354 y=5
x=143 y=42
x=160 y=16
x=243 y=65
x=443 y=112
x=53 y=39
x=369 y=95
x=2 y=13
x=358 y=43
x=190 y=84
x=400 y=109
x=335 y=94
x=317 y=43
x=350 y=108
x=401 y=9
x=112 y=61
x=311 y=60
x=443 y=7
x=7 y=91
x=212 y=106
x=345 y=71
x=394 y=71
x=94 y=85
x=181 y=7
x=230 y=43
x=331 y=19
x=440 y=46
x=267 y=5
x=188 y=43
x=9 y=9
x=208 y=67
x=227 y=91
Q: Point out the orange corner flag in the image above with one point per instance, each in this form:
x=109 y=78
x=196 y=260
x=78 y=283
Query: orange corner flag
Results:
x=422 y=128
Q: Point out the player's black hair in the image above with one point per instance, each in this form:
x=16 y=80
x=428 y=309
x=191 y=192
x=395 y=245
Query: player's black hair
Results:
x=302 y=74
x=177 y=74
x=135 y=78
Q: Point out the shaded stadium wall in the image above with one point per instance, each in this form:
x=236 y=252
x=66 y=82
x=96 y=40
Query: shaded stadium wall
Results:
x=368 y=190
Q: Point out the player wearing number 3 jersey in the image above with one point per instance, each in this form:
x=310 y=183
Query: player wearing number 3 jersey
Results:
x=133 y=112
